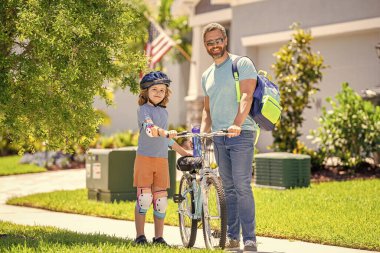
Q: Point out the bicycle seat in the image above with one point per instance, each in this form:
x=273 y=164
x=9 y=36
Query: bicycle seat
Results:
x=189 y=163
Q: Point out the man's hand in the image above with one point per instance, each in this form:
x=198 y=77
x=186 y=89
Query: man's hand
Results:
x=234 y=131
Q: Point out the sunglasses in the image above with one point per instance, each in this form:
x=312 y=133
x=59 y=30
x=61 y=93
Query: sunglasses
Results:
x=212 y=43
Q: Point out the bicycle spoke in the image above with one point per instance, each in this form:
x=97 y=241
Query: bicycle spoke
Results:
x=187 y=225
x=214 y=215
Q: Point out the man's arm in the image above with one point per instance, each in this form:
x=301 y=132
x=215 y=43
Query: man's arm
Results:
x=247 y=88
x=206 y=117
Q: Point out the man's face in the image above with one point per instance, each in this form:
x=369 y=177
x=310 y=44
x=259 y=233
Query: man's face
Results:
x=215 y=44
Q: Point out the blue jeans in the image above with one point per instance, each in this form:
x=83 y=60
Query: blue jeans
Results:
x=234 y=157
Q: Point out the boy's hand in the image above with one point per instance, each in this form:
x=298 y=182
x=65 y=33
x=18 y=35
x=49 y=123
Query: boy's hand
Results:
x=171 y=133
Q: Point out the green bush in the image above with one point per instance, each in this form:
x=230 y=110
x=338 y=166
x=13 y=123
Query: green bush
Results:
x=118 y=140
x=316 y=157
x=126 y=138
x=6 y=147
x=350 y=130
x=298 y=72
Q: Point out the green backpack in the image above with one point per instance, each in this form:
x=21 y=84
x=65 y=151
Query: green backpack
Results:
x=266 y=108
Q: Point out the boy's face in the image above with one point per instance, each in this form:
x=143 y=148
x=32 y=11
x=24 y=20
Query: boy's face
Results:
x=156 y=93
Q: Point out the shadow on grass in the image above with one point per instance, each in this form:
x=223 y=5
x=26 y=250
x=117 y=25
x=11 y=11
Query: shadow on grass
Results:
x=33 y=238
x=39 y=238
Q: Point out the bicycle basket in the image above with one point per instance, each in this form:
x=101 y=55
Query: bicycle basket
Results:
x=189 y=163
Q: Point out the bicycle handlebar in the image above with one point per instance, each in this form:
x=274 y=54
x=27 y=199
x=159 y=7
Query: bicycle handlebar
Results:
x=185 y=134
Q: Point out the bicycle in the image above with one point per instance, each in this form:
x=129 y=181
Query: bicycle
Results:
x=201 y=197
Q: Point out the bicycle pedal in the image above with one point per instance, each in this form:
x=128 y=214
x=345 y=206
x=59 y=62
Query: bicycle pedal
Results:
x=177 y=198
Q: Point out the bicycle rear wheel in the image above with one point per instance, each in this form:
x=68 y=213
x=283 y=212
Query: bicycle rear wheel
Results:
x=186 y=208
x=214 y=216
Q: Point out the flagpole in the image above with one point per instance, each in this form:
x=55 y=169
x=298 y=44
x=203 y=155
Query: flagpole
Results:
x=183 y=52
x=161 y=30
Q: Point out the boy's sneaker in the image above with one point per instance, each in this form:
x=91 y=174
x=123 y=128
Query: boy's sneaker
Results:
x=160 y=241
x=232 y=244
x=250 y=246
x=141 y=240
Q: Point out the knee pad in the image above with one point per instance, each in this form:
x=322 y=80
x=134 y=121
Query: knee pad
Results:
x=160 y=203
x=144 y=199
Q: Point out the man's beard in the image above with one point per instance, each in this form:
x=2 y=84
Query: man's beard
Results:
x=217 y=55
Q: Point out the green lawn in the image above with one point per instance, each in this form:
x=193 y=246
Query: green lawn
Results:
x=18 y=238
x=345 y=214
x=9 y=165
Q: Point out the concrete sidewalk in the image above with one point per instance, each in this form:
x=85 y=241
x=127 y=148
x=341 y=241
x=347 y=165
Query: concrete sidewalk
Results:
x=11 y=186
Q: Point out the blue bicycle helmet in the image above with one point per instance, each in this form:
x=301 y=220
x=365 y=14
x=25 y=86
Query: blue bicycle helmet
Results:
x=153 y=78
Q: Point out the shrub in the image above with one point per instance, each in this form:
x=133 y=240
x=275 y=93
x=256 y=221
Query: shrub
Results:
x=6 y=147
x=298 y=71
x=316 y=157
x=118 y=140
x=350 y=130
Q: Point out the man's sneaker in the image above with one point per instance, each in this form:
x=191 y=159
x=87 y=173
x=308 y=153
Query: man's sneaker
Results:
x=232 y=244
x=141 y=240
x=160 y=241
x=250 y=246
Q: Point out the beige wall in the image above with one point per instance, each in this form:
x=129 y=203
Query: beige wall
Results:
x=124 y=112
x=351 y=58
x=348 y=50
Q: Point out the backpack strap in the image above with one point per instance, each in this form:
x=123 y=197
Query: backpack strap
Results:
x=235 y=74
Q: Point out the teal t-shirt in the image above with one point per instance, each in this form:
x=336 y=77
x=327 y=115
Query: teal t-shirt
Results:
x=219 y=85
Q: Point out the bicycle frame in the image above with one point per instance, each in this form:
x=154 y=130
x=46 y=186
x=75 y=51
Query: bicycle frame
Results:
x=199 y=180
x=198 y=183
x=196 y=200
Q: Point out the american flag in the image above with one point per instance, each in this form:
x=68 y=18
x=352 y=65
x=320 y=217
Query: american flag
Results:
x=159 y=43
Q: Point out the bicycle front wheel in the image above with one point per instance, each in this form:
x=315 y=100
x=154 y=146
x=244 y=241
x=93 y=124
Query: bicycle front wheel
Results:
x=214 y=216
x=186 y=209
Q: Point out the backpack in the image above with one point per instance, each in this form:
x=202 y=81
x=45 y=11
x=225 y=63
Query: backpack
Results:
x=266 y=108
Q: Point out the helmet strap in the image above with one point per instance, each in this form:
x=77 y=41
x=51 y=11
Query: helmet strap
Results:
x=155 y=105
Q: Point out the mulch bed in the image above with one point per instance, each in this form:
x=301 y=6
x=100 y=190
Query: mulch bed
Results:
x=72 y=165
x=340 y=174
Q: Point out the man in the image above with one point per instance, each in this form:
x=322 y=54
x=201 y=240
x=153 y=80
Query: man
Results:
x=234 y=154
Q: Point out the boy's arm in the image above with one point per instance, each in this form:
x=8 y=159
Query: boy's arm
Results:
x=154 y=131
x=180 y=150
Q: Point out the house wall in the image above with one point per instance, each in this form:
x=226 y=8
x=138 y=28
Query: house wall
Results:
x=351 y=56
x=124 y=113
x=205 y=6
x=277 y=15
x=346 y=54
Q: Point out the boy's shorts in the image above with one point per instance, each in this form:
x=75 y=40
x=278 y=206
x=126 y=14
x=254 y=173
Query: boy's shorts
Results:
x=151 y=172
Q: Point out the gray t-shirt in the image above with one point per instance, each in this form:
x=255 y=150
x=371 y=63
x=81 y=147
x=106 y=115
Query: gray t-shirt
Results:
x=152 y=146
x=219 y=85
